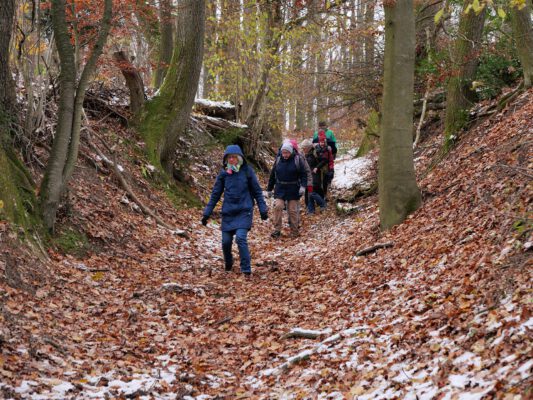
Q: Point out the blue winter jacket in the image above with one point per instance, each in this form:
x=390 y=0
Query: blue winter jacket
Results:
x=240 y=189
x=286 y=178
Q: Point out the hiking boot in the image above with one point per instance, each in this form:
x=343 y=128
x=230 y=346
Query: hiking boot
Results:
x=275 y=234
x=294 y=234
x=247 y=274
x=228 y=268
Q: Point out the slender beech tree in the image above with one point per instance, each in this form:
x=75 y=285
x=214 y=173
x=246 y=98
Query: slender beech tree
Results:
x=166 y=117
x=398 y=192
x=523 y=36
x=166 y=37
x=459 y=94
x=72 y=92
x=272 y=42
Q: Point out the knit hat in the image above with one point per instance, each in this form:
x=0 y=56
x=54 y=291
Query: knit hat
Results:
x=322 y=124
x=294 y=144
x=306 y=143
x=321 y=135
x=287 y=146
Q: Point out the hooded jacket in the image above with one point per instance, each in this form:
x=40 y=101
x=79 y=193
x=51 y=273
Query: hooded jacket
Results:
x=239 y=189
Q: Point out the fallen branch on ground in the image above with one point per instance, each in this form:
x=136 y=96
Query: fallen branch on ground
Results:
x=305 y=333
x=305 y=354
x=373 y=248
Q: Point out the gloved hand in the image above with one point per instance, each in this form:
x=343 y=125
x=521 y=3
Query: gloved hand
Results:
x=204 y=220
x=309 y=189
x=301 y=192
x=264 y=216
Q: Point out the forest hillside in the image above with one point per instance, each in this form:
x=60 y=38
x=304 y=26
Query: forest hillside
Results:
x=126 y=308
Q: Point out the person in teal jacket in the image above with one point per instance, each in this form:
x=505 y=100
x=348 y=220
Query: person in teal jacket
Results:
x=330 y=137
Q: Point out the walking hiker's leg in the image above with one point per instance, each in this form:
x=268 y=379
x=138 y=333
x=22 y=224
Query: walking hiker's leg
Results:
x=293 y=216
x=319 y=200
x=242 y=243
x=227 y=241
x=311 y=203
x=278 y=212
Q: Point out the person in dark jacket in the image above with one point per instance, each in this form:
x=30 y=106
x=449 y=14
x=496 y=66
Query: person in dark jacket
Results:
x=324 y=153
x=289 y=180
x=240 y=186
x=330 y=137
x=299 y=159
x=316 y=196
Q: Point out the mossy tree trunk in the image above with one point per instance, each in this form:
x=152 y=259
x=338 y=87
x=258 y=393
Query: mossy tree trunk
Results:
x=16 y=187
x=166 y=38
x=398 y=192
x=72 y=92
x=165 y=118
x=459 y=94
x=523 y=36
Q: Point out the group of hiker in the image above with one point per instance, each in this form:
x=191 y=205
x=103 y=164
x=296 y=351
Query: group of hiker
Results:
x=298 y=171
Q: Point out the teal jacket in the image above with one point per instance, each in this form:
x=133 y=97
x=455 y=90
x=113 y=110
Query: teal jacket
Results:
x=329 y=136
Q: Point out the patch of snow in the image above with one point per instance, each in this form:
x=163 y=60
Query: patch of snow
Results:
x=350 y=172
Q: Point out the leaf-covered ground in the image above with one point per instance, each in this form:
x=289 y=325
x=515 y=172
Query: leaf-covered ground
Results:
x=445 y=313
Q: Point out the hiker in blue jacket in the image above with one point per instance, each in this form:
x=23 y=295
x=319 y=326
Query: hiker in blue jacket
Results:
x=240 y=186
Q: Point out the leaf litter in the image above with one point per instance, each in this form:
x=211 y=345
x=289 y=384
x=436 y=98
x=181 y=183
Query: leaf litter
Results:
x=443 y=313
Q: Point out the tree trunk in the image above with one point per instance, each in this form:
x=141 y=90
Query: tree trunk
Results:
x=167 y=116
x=398 y=192
x=460 y=95
x=16 y=187
x=210 y=41
x=133 y=81
x=66 y=141
x=7 y=87
x=166 y=25
x=523 y=36
x=272 y=42
x=369 y=39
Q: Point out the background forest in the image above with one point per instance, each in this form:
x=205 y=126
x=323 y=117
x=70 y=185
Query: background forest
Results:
x=113 y=118
x=283 y=65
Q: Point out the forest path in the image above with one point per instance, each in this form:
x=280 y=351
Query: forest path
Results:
x=446 y=312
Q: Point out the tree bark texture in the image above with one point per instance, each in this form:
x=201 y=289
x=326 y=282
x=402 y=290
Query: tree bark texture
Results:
x=523 y=36
x=460 y=95
x=181 y=80
x=72 y=92
x=398 y=192
x=166 y=45
x=7 y=87
x=16 y=186
x=133 y=81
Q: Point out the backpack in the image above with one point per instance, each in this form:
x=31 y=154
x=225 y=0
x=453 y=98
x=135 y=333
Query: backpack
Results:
x=331 y=143
x=297 y=161
x=319 y=153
